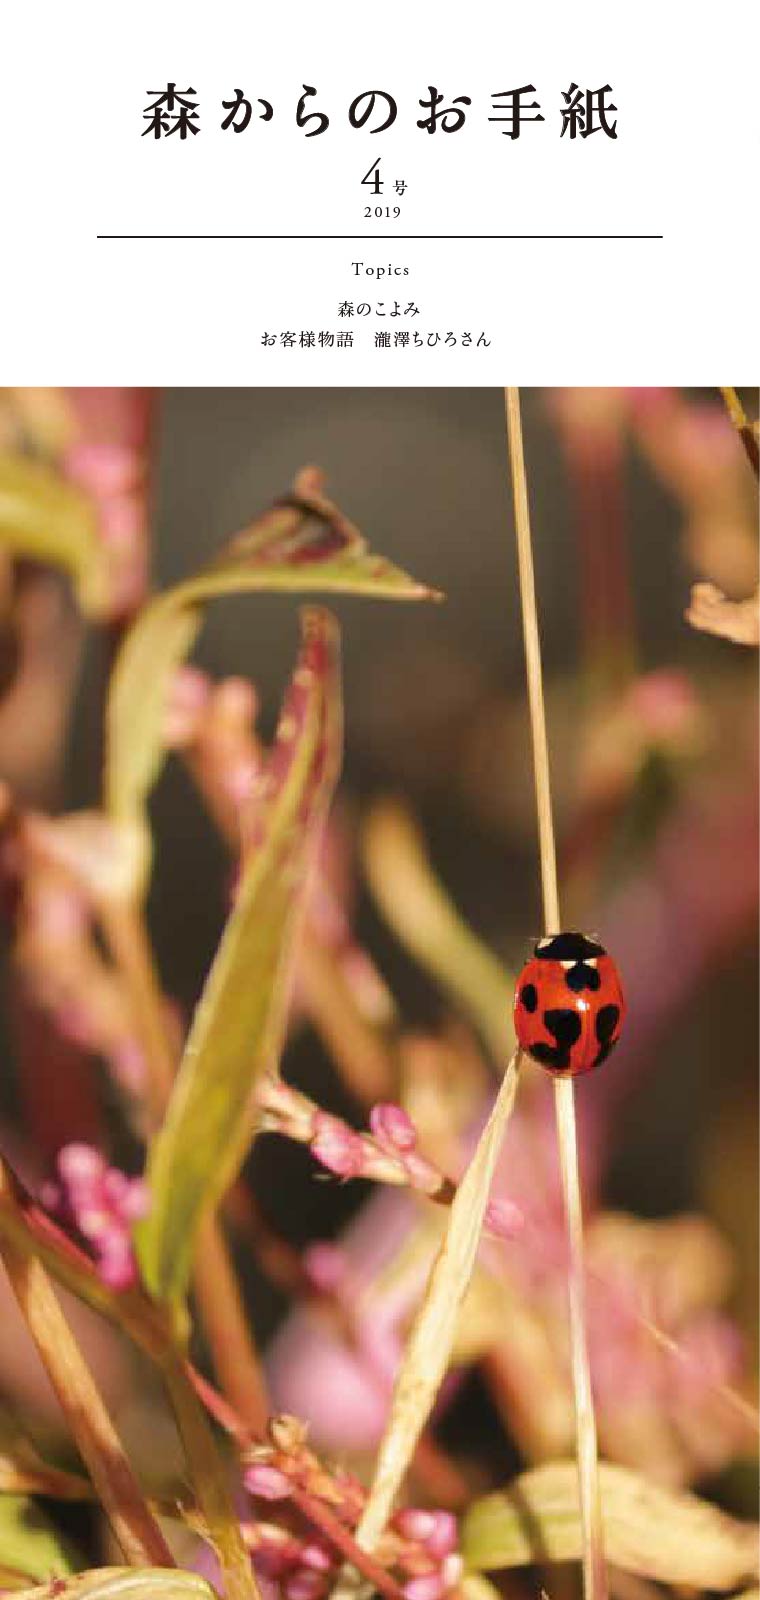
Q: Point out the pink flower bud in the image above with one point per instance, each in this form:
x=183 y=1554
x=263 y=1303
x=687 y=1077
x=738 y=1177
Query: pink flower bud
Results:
x=136 y=1202
x=451 y=1571
x=337 y=1147
x=80 y=1164
x=114 y=1186
x=316 y=1557
x=305 y=1585
x=186 y=702
x=236 y=701
x=392 y=1128
x=435 y=1530
x=239 y=778
x=276 y=1553
x=116 y=1262
x=103 y=469
x=326 y=1266
x=429 y=1587
x=443 y=1540
x=415 y=1525
x=266 y=1482
x=122 y=521
x=420 y=1173
x=504 y=1219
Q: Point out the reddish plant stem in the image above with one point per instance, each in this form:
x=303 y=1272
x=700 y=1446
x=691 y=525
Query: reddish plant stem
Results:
x=314 y=1510
x=284 y=1266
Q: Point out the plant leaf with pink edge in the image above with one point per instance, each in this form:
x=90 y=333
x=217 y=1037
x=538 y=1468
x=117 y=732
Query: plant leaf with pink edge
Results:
x=45 y=519
x=418 y=909
x=671 y=1537
x=238 y=1024
x=126 y=1583
x=431 y=1341
x=302 y=545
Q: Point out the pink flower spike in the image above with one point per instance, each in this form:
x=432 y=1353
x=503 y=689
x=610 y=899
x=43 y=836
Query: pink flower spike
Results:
x=504 y=1219
x=429 y=1587
x=392 y=1128
x=266 y=1482
x=337 y=1146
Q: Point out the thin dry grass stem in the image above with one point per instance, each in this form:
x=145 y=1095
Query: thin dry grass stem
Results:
x=219 y=1301
x=747 y=430
x=223 y=1312
x=428 y=1348
x=363 y=1054
x=115 y=1484
x=127 y=938
x=210 y=1483
x=594 y=1573
x=736 y=1402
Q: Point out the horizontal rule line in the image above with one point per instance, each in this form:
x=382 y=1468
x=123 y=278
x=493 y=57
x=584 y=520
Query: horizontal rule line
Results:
x=380 y=238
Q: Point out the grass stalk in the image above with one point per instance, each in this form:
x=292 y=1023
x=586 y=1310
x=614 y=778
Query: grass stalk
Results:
x=115 y=1484
x=594 y=1573
x=747 y=431
x=210 y=1483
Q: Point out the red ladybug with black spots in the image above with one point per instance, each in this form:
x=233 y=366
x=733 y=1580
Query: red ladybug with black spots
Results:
x=569 y=1004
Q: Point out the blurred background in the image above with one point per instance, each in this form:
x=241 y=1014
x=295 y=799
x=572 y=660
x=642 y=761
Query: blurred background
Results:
x=635 y=496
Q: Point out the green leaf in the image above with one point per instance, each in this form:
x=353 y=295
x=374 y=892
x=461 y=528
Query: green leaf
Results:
x=46 y=519
x=29 y=1544
x=237 y=1027
x=126 y=1583
x=653 y=1532
x=475 y=1587
x=303 y=544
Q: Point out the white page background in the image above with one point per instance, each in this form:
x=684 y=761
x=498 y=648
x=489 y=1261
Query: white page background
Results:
x=80 y=309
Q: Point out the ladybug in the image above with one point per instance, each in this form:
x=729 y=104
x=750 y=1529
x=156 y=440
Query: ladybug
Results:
x=569 y=1005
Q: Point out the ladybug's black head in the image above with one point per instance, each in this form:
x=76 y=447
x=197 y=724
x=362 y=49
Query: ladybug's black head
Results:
x=568 y=947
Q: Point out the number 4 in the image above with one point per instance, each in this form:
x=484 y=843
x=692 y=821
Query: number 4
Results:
x=373 y=179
